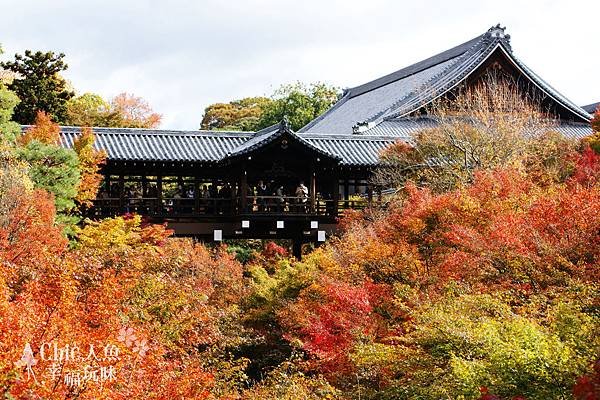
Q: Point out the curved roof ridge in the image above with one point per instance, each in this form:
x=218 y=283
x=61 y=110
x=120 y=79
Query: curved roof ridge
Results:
x=462 y=61
x=412 y=69
x=269 y=136
x=429 y=92
x=314 y=135
x=152 y=132
x=545 y=86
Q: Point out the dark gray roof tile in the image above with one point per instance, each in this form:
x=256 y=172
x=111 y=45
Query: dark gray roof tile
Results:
x=591 y=108
x=410 y=89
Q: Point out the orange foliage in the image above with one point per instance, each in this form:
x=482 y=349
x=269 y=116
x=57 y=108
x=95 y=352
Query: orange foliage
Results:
x=596 y=120
x=134 y=112
x=588 y=387
x=327 y=318
x=95 y=295
x=28 y=235
x=90 y=161
x=44 y=130
x=587 y=168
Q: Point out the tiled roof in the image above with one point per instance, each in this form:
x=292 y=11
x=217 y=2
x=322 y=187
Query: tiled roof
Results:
x=214 y=146
x=591 y=108
x=357 y=150
x=403 y=128
x=161 y=145
x=410 y=89
x=382 y=111
x=266 y=136
x=122 y=144
x=574 y=130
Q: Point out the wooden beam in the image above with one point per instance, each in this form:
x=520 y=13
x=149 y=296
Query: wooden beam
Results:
x=244 y=189
x=313 y=190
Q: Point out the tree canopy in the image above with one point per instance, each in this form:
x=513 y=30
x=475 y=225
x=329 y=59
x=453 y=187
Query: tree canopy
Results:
x=39 y=85
x=237 y=115
x=299 y=102
x=51 y=167
x=123 y=111
x=486 y=126
x=8 y=101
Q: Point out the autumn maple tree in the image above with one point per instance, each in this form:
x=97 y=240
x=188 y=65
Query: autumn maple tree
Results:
x=90 y=162
x=122 y=111
x=133 y=112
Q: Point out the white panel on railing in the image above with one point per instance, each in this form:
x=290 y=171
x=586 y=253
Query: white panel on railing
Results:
x=320 y=236
x=218 y=235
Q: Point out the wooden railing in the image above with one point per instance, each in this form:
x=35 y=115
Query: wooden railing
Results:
x=218 y=207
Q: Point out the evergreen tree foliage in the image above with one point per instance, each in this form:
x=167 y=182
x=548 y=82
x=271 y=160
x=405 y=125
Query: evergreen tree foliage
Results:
x=39 y=85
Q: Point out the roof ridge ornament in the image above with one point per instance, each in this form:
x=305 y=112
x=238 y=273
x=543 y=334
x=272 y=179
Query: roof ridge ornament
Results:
x=498 y=33
x=284 y=125
x=363 y=126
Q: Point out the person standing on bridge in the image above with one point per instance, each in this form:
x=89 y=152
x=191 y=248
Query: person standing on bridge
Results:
x=302 y=196
x=261 y=191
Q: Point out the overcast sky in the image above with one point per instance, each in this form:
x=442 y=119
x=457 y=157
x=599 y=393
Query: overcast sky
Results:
x=184 y=55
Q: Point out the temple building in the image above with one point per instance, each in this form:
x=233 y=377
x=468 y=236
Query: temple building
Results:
x=276 y=183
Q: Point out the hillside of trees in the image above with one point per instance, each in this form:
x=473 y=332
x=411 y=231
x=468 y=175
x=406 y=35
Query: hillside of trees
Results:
x=479 y=280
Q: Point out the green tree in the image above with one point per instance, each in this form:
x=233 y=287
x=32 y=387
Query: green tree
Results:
x=89 y=109
x=8 y=102
x=39 y=85
x=237 y=115
x=54 y=169
x=299 y=102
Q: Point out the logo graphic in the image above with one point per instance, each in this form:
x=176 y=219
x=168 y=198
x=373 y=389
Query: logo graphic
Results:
x=27 y=360
x=76 y=365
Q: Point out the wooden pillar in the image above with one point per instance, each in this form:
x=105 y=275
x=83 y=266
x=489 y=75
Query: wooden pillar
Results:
x=313 y=190
x=336 y=193
x=297 y=249
x=346 y=190
x=159 y=194
x=370 y=194
x=121 y=192
x=232 y=196
x=196 y=194
x=106 y=205
x=244 y=189
x=214 y=202
x=144 y=186
x=107 y=185
x=346 y=193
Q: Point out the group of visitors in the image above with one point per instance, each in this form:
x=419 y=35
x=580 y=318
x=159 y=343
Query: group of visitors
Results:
x=274 y=197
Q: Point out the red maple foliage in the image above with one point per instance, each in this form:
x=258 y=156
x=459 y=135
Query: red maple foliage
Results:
x=588 y=387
